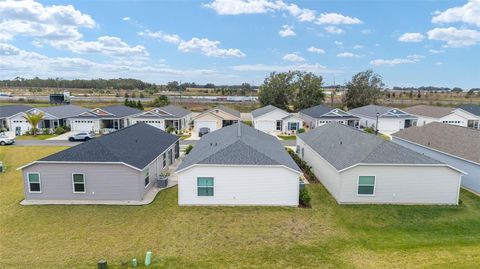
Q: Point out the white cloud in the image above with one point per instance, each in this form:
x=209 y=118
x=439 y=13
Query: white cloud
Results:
x=338 y=43
x=293 y=57
x=347 y=55
x=434 y=51
x=286 y=31
x=336 y=19
x=29 y=18
x=316 y=68
x=438 y=63
x=454 y=37
x=238 y=7
x=357 y=47
x=16 y=62
x=411 y=37
x=108 y=45
x=333 y=29
x=126 y=18
x=208 y=48
x=410 y=59
x=468 y=13
x=169 y=38
x=316 y=50
x=203 y=45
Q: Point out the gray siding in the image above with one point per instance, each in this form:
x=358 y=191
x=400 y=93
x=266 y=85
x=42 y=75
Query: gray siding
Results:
x=103 y=182
x=470 y=181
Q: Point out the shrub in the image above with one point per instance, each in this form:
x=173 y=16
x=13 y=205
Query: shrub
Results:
x=304 y=198
x=171 y=129
x=188 y=149
x=301 y=130
x=45 y=131
x=369 y=130
x=60 y=130
x=247 y=122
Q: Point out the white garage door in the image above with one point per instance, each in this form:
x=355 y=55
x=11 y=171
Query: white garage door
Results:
x=265 y=126
x=82 y=125
x=212 y=125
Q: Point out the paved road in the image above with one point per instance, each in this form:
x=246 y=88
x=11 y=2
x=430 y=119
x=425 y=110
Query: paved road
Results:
x=67 y=143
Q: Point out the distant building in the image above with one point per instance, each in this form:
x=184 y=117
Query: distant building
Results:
x=60 y=98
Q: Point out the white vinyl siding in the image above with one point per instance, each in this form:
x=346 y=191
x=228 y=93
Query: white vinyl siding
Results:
x=240 y=185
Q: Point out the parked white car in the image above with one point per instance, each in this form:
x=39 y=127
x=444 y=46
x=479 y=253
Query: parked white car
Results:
x=84 y=136
x=6 y=140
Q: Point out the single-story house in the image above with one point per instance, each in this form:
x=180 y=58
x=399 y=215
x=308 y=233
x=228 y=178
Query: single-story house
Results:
x=105 y=119
x=473 y=110
x=390 y=120
x=54 y=116
x=321 y=114
x=454 y=145
x=271 y=119
x=165 y=117
x=215 y=118
x=360 y=168
x=448 y=115
x=10 y=112
x=120 y=166
x=238 y=165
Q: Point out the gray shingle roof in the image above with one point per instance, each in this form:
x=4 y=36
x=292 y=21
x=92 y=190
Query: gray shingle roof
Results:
x=343 y=146
x=429 y=111
x=455 y=140
x=175 y=110
x=252 y=147
x=263 y=110
x=320 y=110
x=474 y=109
x=10 y=110
x=383 y=111
x=63 y=112
x=136 y=145
x=121 y=111
x=229 y=111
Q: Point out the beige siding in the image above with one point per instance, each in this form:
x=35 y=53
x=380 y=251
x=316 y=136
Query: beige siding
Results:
x=327 y=174
x=245 y=185
x=103 y=182
x=402 y=185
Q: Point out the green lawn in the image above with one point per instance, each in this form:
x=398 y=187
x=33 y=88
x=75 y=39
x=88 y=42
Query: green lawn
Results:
x=37 y=137
x=326 y=236
x=183 y=137
x=287 y=137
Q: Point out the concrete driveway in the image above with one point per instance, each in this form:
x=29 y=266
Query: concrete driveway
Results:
x=62 y=137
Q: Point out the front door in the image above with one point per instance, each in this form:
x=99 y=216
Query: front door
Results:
x=18 y=130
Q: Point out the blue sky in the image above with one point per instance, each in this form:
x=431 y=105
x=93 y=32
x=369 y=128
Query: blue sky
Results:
x=409 y=43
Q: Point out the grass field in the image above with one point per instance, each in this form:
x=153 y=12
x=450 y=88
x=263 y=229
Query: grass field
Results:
x=326 y=236
x=287 y=137
x=37 y=137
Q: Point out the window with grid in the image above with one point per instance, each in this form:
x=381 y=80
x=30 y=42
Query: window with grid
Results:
x=78 y=183
x=34 y=182
x=366 y=185
x=205 y=186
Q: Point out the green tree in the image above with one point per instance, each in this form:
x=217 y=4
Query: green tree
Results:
x=139 y=105
x=277 y=89
x=308 y=89
x=173 y=86
x=34 y=120
x=364 y=89
x=162 y=100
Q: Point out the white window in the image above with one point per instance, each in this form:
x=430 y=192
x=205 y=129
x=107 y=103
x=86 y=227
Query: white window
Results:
x=78 y=181
x=34 y=185
x=366 y=185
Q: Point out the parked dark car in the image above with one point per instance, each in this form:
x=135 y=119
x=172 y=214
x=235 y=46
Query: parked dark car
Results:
x=203 y=131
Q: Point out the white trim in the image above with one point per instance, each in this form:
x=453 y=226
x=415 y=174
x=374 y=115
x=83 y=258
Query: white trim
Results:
x=402 y=164
x=451 y=155
x=374 y=185
x=39 y=182
x=71 y=162
x=236 y=165
x=84 y=183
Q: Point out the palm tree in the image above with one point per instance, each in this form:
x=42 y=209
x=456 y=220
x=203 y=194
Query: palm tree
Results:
x=34 y=120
